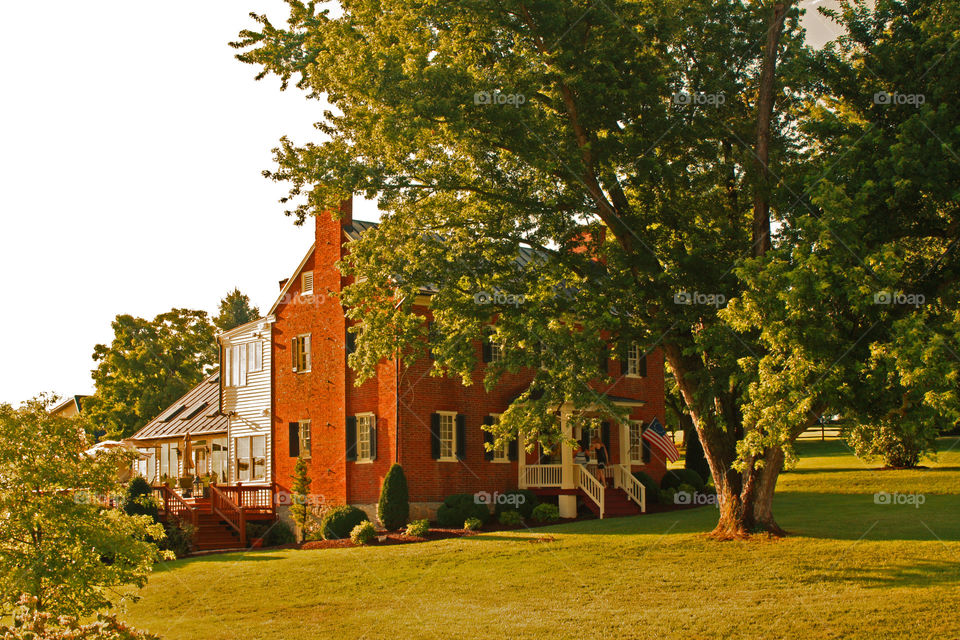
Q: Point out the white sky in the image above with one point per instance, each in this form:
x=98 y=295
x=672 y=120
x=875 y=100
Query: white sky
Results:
x=131 y=146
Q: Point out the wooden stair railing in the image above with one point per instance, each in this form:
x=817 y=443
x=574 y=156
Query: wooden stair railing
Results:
x=227 y=509
x=624 y=479
x=175 y=505
x=592 y=487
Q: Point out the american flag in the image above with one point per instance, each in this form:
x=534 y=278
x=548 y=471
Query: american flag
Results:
x=657 y=436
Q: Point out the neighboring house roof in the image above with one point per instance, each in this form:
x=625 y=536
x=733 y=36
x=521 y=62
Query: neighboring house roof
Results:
x=196 y=413
x=69 y=407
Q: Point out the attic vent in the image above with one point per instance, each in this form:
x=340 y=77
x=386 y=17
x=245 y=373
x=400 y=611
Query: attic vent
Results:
x=306 y=283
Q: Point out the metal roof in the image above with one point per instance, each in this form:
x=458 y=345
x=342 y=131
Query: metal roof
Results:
x=195 y=413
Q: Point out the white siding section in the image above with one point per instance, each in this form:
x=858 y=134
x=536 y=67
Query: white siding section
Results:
x=248 y=406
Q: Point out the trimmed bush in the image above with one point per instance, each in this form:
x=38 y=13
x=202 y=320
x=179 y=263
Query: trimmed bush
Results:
x=546 y=513
x=472 y=524
x=676 y=477
x=418 y=528
x=651 y=485
x=138 y=499
x=179 y=537
x=524 y=502
x=458 y=507
x=338 y=522
x=393 y=510
x=511 y=518
x=363 y=533
x=273 y=534
x=667 y=496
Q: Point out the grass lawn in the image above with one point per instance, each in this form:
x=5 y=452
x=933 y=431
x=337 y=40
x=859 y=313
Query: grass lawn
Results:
x=850 y=569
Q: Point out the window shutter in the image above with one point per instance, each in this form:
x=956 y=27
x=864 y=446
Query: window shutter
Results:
x=351 y=343
x=373 y=438
x=293 y=352
x=242 y=358
x=487 y=439
x=306 y=353
x=461 y=436
x=294 y=439
x=605 y=437
x=643 y=366
x=351 y=438
x=647 y=452
x=585 y=439
x=430 y=337
x=435 y=435
x=624 y=357
x=487 y=349
x=225 y=378
x=602 y=362
x=512 y=447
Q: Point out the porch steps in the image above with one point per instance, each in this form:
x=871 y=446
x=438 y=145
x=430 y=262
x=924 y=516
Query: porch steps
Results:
x=214 y=533
x=616 y=504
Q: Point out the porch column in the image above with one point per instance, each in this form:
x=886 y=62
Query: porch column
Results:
x=567 y=503
x=624 y=445
x=521 y=461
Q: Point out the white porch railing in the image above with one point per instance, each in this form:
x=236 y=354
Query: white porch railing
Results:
x=543 y=475
x=623 y=479
x=590 y=485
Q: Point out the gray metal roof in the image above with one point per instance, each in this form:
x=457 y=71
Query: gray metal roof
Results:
x=195 y=413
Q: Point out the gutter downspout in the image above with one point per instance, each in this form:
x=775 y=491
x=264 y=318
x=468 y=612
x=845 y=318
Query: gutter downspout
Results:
x=396 y=398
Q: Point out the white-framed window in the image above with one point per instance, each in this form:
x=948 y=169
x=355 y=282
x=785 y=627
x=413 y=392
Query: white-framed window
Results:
x=306 y=283
x=636 y=441
x=448 y=436
x=250 y=457
x=168 y=460
x=300 y=349
x=306 y=437
x=239 y=360
x=501 y=453
x=365 y=426
x=496 y=351
x=636 y=361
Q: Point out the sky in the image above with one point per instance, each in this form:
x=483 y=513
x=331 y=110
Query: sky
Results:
x=131 y=149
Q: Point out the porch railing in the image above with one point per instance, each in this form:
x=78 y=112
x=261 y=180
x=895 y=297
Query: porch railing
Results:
x=623 y=479
x=229 y=511
x=590 y=486
x=175 y=505
x=543 y=475
x=257 y=499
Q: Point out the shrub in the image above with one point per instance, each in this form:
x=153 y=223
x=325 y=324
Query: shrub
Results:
x=138 y=499
x=31 y=624
x=666 y=496
x=179 y=538
x=273 y=533
x=338 y=522
x=651 y=485
x=511 y=518
x=363 y=533
x=546 y=513
x=472 y=524
x=676 y=477
x=458 y=507
x=524 y=505
x=393 y=510
x=418 y=528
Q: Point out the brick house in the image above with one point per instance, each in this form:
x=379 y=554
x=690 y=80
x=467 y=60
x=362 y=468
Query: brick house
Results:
x=431 y=426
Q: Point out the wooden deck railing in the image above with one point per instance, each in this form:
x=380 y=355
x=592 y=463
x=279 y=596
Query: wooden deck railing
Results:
x=624 y=479
x=543 y=475
x=255 y=499
x=589 y=484
x=175 y=505
x=229 y=511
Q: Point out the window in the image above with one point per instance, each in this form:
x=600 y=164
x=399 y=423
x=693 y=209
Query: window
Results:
x=219 y=460
x=447 y=436
x=168 y=460
x=241 y=359
x=636 y=441
x=501 y=453
x=496 y=352
x=255 y=356
x=306 y=283
x=300 y=349
x=305 y=438
x=251 y=457
x=365 y=431
x=636 y=361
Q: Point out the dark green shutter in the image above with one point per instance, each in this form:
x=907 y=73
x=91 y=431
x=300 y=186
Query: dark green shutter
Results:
x=373 y=440
x=351 y=342
x=512 y=449
x=429 y=339
x=294 y=439
x=487 y=439
x=605 y=437
x=643 y=366
x=351 y=438
x=585 y=439
x=487 y=349
x=602 y=362
x=293 y=352
x=461 y=436
x=624 y=357
x=435 y=435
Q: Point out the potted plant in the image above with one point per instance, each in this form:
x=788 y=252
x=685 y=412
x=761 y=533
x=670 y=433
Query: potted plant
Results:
x=185 y=484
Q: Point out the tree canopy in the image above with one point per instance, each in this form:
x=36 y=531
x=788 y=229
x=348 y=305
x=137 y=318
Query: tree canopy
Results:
x=234 y=311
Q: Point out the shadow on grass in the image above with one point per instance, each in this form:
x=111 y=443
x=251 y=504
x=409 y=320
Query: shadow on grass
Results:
x=803 y=472
x=915 y=574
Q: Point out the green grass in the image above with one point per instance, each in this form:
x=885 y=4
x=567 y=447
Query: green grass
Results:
x=850 y=569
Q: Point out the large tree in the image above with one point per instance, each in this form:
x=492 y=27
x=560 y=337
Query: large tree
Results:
x=235 y=310
x=57 y=543
x=649 y=133
x=149 y=364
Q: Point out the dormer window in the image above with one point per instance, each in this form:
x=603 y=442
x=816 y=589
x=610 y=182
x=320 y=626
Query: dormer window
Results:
x=306 y=283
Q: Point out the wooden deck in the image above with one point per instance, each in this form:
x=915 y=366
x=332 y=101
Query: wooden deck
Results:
x=222 y=517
